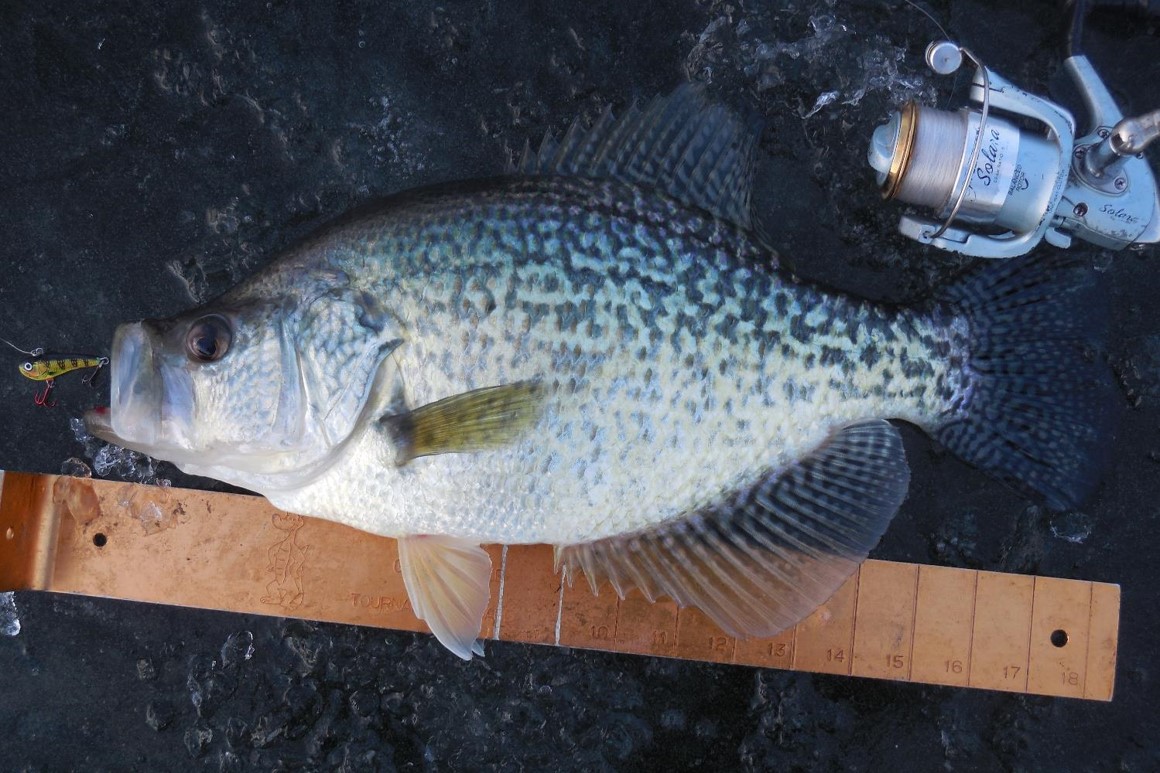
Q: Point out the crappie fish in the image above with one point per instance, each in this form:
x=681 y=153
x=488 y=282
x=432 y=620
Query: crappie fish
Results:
x=600 y=352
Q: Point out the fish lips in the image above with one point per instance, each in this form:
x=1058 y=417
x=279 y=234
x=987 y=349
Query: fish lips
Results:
x=150 y=402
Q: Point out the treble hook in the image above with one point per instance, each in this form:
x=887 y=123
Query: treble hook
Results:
x=91 y=378
x=41 y=398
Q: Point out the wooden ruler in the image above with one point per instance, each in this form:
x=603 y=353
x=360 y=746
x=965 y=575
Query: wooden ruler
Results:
x=907 y=622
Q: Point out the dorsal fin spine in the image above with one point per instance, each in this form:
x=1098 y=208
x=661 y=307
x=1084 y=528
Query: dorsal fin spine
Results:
x=696 y=152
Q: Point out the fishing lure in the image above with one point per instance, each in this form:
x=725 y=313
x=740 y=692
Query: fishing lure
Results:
x=49 y=369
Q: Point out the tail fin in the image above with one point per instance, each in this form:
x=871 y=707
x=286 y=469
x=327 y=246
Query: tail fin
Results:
x=1041 y=404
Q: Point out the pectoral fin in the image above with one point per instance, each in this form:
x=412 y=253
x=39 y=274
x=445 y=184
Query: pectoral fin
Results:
x=764 y=557
x=472 y=421
x=448 y=582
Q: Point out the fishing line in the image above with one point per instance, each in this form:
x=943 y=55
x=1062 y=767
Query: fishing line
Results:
x=34 y=353
x=928 y=15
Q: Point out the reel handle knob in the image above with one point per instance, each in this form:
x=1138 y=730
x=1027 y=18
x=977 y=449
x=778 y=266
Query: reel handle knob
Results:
x=944 y=57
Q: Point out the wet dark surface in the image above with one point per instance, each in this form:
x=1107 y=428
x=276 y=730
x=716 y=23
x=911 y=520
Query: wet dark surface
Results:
x=155 y=154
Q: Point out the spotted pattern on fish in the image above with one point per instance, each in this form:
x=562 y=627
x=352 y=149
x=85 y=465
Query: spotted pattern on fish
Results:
x=679 y=358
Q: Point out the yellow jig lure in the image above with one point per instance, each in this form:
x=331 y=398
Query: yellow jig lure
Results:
x=47 y=369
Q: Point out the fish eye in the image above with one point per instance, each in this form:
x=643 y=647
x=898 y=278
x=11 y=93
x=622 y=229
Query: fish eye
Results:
x=208 y=339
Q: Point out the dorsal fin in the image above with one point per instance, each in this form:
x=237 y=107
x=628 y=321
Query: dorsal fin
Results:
x=697 y=152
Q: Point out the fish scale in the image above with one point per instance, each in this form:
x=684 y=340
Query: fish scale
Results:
x=697 y=351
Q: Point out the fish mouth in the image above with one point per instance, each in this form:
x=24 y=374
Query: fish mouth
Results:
x=147 y=406
x=99 y=425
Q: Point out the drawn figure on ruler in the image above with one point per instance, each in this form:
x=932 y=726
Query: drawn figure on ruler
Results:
x=287 y=558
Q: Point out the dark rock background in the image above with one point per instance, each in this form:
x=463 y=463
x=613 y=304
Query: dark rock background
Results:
x=152 y=154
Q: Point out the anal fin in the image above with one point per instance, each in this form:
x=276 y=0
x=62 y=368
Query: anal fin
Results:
x=448 y=582
x=764 y=557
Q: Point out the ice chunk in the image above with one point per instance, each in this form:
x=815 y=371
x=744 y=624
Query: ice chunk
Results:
x=9 y=619
x=1072 y=526
x=823 y=99
x=121 y=462
x=392 y=138
x=197 y=739
x=209 y=684
x=76 y=468
x=159 y=714
x=146 y=670
x=151 y=518
x=109 y=460
x=238 y=647
x=847 y=63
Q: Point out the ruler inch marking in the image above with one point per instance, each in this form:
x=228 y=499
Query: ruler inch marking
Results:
x=1103 y=638
x=854 y=617
x=884 y=621
x=1087 y=641
x=974 y=613
x=589 y=619
x=616 y=616
x=1030 y=630
x=487 y=628
x=857 y=609
x=1060 y=632
x=824 y=636
x=560 y=608
x=793 y=664
x=913 y=623
x=644 y=627
x=699 y=638
x=771 y=652
x=944 y=625
x=499 y=601
x=531 y=595
x=1002 y=630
